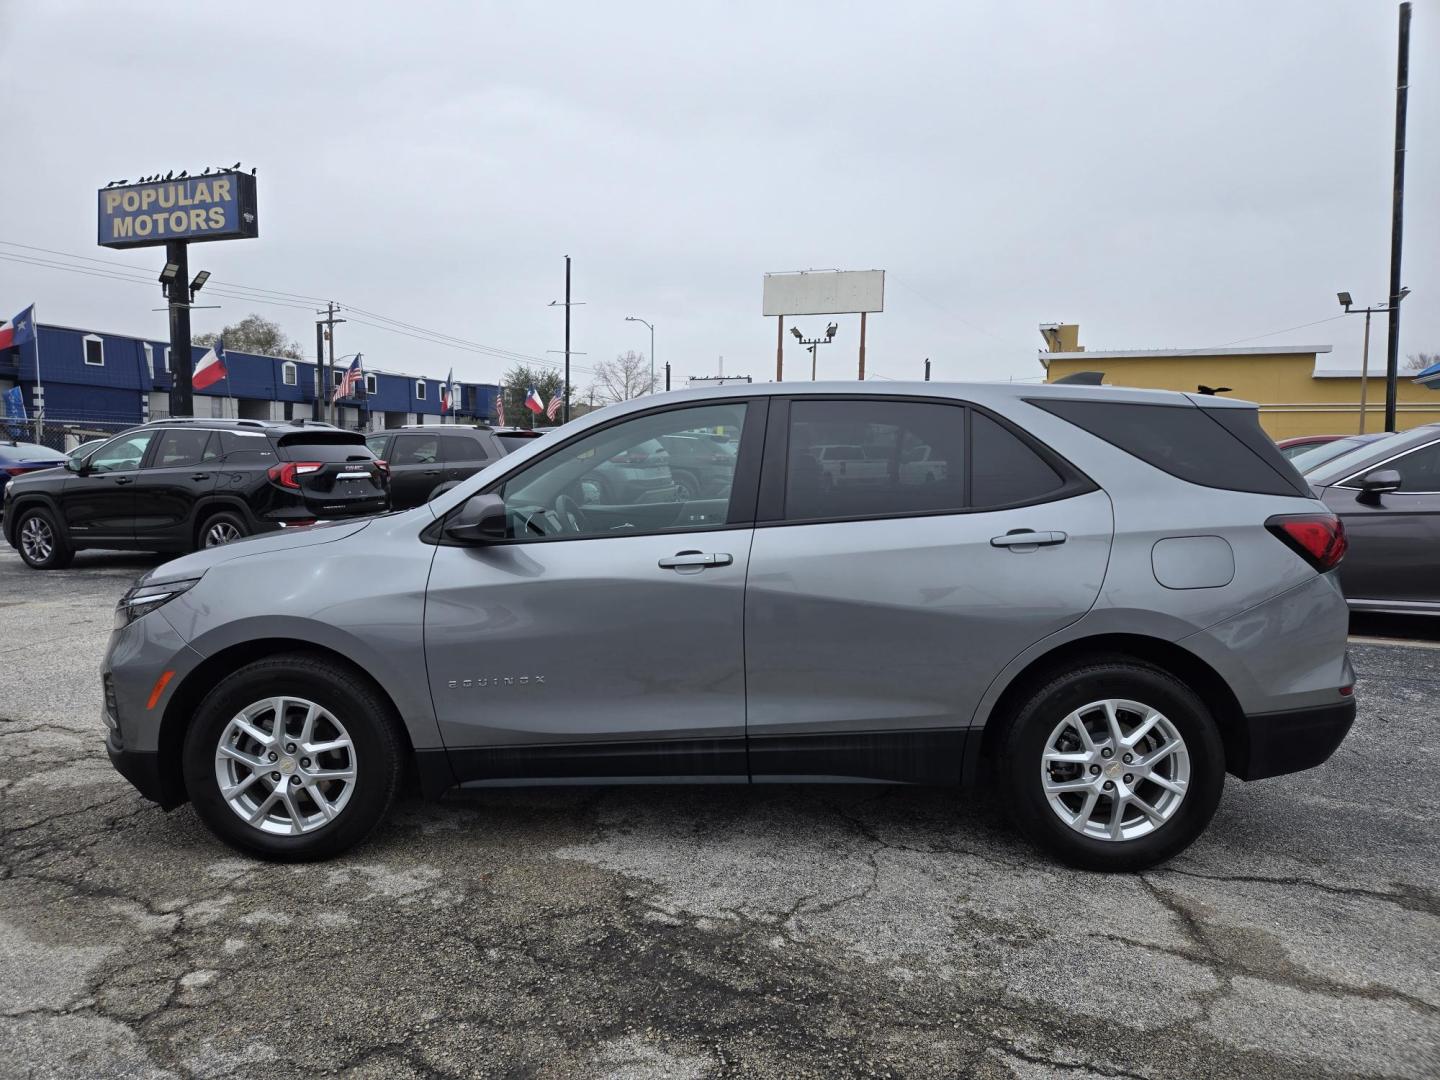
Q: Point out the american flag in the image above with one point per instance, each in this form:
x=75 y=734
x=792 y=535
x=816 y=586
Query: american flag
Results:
x=553 y=409
x=351 y=379
x=500 y=408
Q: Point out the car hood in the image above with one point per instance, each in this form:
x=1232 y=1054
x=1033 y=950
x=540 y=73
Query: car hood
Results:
x=195 y=564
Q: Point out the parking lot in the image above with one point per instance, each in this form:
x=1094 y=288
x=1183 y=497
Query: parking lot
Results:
x=705 y=931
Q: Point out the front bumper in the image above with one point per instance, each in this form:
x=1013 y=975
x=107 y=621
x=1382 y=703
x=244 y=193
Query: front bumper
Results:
x=1276 y=743
x=142 y=769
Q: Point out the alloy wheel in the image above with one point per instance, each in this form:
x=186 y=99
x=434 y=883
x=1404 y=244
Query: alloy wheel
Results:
x=286 y=765
x=221 y=532
x=37 y=539
x=1115 y=769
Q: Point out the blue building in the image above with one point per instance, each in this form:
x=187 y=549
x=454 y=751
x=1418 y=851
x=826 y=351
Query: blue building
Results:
x=93 y=380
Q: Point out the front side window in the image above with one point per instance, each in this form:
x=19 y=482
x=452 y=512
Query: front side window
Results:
x=123 y=454
x=1419 y=470
x=623 y=479
x=874 y=458
x=180 y=447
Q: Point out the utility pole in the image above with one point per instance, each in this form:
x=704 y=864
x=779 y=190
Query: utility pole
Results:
x=327 y=373
x=927 y=369
x=1397 y=218
x=566 y=408
x=667 y=374
x=182 y=363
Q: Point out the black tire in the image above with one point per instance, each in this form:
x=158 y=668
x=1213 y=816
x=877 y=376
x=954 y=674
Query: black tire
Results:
x=224 y=521
x=1024 y=743
x=687 y=486
x=379 y=753
x=48 y=550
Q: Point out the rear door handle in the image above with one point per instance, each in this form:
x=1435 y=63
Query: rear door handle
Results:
x=200 y=476
x=696 y=559
x=1028 y=538
x=124 y=480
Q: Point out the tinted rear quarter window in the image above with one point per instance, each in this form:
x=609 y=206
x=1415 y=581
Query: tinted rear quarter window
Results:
x=462 y=448
x=1004 y=471
x=1217 y=448
x=240 y=448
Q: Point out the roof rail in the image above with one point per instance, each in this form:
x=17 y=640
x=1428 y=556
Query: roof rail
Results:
x=301 y=421
x=480 y=424
x=203 y=420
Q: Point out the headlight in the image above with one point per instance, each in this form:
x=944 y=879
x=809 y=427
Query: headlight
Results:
x=144 y=597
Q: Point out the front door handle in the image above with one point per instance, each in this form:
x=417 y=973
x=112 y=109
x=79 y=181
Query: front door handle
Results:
x=695 y=559
x=1028 y=538
x=124 y=480
x=200 y=476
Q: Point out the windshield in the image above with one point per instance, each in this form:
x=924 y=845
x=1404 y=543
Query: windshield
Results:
x=1340 y=467
x=1312 y=457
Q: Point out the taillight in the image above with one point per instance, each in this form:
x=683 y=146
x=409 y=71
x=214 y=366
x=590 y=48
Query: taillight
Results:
x=383 y=466
x=1319 y=539
x=16 y=470
x=285 y=473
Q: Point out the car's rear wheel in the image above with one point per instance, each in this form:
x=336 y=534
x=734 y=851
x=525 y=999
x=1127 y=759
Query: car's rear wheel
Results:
x=1116 y=765
x=40 y=542
x=293 y=758
x=222 y=528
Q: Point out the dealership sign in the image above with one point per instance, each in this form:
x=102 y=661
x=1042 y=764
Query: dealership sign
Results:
x=217 y=207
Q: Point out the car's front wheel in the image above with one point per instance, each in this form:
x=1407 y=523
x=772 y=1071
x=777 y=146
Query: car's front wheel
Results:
x=1114 y=765
x=293 y=758
x=40 y=542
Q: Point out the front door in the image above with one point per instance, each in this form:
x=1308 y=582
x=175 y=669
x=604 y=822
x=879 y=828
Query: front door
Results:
x=1393 y=538
x=602 y=641
x=882 y=603
x=182 y=470
x=99 y=504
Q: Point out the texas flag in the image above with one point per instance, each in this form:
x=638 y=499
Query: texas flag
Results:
x=19 y=330
x=447 y=393
x=533 y=402
x=211 y=368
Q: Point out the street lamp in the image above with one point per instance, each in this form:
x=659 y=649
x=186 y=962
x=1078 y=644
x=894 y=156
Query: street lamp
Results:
x=812 y=344
x=1346 y=301
x=632 y=318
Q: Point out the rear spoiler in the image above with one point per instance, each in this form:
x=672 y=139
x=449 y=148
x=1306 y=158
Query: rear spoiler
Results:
x=335 y=436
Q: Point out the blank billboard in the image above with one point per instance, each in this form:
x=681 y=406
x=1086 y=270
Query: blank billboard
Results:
x=825 y=292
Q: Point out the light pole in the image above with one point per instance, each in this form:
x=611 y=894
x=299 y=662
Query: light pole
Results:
x=812 y=344
x=632 y=318
x=1345 y=301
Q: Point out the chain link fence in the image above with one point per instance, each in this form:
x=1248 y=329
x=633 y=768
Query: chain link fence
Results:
x=63 y=433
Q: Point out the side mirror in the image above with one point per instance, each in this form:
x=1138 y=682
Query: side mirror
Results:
x=75 y=465
x=1378 y=483
x=481 y=520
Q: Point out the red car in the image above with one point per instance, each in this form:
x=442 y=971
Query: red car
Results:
x=1291 y=447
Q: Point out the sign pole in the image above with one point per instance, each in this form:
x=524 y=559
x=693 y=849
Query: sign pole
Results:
x=177 y=292
x=862 y=346
x=1397 y=220
x=780 y=348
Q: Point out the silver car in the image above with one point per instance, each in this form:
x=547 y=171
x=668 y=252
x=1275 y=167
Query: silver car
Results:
x=1108 y=599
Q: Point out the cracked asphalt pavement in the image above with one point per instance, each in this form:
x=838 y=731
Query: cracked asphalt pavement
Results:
x=703 y=931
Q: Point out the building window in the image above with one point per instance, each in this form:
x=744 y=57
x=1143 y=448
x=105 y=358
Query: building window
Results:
x=371 y=384
x=419 y=389
x=94 y=351
x=149 y=360
x=289 y=375
x=336 y=375
x=457 y=396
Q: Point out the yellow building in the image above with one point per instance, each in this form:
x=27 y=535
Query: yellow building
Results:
x=1296 y=395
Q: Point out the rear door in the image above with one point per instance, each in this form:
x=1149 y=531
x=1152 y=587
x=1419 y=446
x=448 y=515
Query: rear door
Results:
x=415 y=467
x=877 y=614
x=181 y=470
x=99 y=504
x=462 y=456
x=1394 y=538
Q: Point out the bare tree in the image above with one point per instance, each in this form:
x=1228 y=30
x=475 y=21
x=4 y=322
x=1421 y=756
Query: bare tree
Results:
x=624 y=378
x=1419 y=361
x=254 y=334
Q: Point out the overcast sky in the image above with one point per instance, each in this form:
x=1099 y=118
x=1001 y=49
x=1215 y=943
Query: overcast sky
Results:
x=1178 y=174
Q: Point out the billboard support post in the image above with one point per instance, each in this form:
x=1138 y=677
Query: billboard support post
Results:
x=780 y=348
x=862 y=346
x=182 y=363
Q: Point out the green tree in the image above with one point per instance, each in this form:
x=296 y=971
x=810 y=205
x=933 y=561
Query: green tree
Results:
x=517 y=382
x=254 y=334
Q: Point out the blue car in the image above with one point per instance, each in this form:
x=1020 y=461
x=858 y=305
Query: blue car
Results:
x=19 y=458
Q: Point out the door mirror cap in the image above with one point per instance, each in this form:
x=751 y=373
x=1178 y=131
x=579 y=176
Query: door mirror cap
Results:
x=480 y=520
x=76 y=465
x=1380 y=482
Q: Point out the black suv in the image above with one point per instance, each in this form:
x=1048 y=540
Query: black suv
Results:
x=180 y=484
x=427 y=458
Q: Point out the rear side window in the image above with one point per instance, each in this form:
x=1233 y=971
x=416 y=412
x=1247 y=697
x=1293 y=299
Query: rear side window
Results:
x=1419 y=470
x=874 y=458
x=1004 y=471
x=461 y=448
x=181 y=447
x=415 y=450
x=1217 y=448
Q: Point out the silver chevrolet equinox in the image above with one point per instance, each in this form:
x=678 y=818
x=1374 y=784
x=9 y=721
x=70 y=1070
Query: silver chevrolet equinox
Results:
x=1106 y=599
